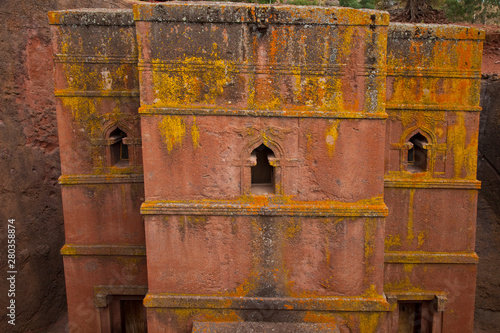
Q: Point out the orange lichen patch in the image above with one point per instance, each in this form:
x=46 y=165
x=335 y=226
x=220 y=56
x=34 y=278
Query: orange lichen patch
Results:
x=172 y=130
x=245 y=288
x=463 y=149
x=55 y=17
x=433 y=91
x=331 y=136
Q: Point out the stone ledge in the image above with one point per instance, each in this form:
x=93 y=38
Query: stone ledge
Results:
x=265 y=206
x=96 y=93
x=90 y=16
x=432 y=107
x=203 y=12
x=410 y=257
x=432 y=183
x=451 y=73
x=151 y=110
x=94 y=59
x=103 y=250
x=434 y=31
x=331 y=303
x=255 y=327
x=100 y=179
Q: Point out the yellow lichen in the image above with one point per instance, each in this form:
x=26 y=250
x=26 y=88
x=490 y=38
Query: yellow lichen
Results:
x=370 y=227
x=464 y=151
x=331 y=136
x=293 y=227
x=422 y=236
x=369 y=322
x=172 y=129
x=195 y=134
x=392 y=241
x=195 y=80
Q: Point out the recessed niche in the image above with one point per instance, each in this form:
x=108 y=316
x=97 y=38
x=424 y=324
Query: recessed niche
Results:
x=263 y=178
x=118 y=149
x=417 y=154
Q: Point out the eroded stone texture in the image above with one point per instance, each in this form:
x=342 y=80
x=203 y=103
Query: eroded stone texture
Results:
x=349 y=114
x=29 y=162
x=488 y=216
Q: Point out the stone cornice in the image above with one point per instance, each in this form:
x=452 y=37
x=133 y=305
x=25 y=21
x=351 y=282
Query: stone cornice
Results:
x=264 y=206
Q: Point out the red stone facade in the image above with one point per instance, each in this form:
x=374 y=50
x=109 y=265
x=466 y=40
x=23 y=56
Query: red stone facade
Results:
x=236 y=167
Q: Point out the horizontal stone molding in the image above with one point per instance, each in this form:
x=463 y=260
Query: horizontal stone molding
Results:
x=100 y=179
x=94 y=59
x=101 y=293
x=96 y=93
x=255 y=13
x=432 y=107
x=332 y=303
x=150 y=110
x=434 y=31
x=263 y=207
x=100 y=250
x=244 y=68
x=90 y=16
x=432 y=183
x=434 y=72
x=261 y=326
x=411 y=257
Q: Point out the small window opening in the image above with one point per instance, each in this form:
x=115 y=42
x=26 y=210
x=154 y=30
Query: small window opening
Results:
x=262 y=171
x=417 y=155
x=118 y=149
x=414 y=317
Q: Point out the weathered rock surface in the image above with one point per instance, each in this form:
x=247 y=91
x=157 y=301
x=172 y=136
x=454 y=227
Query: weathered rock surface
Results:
x=29 y=161
x=487 y=316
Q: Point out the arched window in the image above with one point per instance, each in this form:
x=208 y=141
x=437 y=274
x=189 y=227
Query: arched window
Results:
x=118 y=149
x=263 y=177
x=417 y=154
